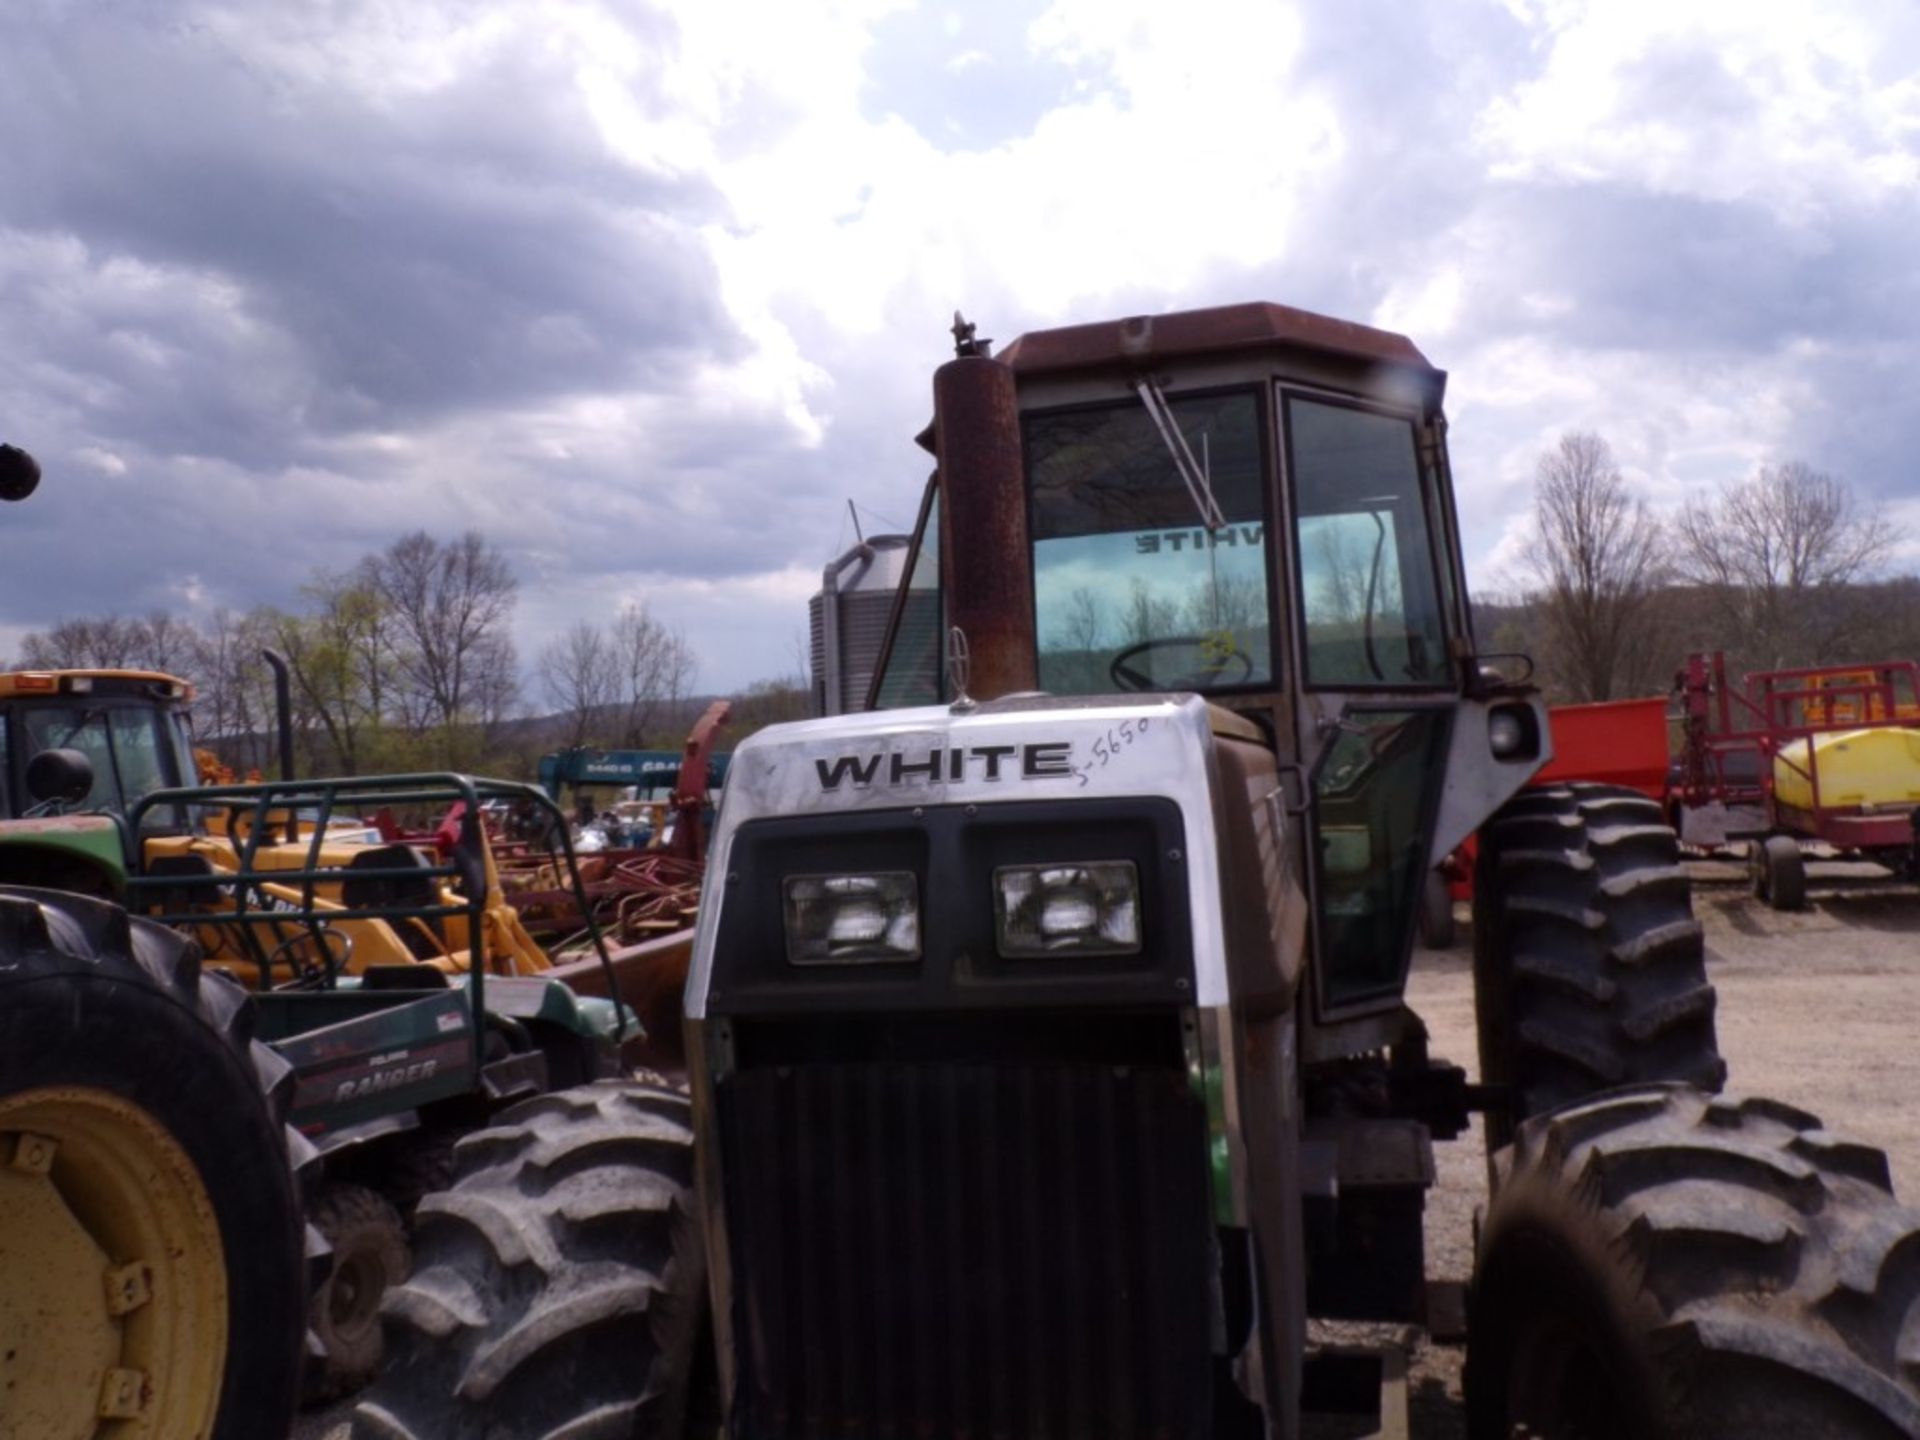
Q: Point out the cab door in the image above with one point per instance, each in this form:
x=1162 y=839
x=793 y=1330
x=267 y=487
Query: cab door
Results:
x=1377 y=683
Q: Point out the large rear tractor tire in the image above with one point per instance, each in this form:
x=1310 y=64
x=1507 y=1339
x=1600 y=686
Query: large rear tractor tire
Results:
x=370 y=1255
x=559 y=1285
x=1665 y=1265
x=1589 y=968
x=142 y=1140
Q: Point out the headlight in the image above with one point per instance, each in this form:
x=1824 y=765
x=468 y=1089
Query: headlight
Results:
x=853 y=919
x=1087 y=909
x=1505 y=734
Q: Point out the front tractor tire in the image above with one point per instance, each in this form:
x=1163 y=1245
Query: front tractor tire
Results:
x=559 y=1284
x=368 y=1241
x=1589 y=967
x=142 y=1140
x=1666 y=1265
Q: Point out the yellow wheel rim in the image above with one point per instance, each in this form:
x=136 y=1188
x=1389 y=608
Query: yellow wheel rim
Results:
x=113 y=1285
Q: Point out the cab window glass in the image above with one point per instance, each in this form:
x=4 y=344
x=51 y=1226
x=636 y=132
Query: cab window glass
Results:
x=1369 y=597
x=1375 y=788
x=125 y=746
x=1133 y=589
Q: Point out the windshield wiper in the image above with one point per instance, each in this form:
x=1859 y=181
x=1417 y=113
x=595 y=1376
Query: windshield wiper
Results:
x=1199 y=485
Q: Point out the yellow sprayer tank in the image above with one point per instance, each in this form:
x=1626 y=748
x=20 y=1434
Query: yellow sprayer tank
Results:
x=1879 y=766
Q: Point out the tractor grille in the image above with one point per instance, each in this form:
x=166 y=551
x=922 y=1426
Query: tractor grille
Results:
x=933 y=1253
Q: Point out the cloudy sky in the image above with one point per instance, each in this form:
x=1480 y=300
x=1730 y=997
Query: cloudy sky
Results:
x=647 y=292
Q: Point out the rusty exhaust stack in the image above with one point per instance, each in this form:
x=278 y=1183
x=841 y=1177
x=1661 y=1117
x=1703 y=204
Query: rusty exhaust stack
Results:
x=984 y=560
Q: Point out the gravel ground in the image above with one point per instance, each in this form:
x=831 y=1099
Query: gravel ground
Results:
x=1815 y=1009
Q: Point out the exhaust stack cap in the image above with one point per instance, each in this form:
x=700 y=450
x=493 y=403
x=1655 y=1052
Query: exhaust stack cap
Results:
x=19 y=473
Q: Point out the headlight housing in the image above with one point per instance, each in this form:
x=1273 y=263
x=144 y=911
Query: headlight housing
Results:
x=1090 y=908
x=870 y=919
x=1513 y=733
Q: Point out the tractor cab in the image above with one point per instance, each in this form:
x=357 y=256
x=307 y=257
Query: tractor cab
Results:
x=79 y=750
x=130 y=725
x=1251 y=504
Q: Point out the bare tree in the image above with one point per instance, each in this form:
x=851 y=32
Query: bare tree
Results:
x=1599 y=557
x=1236 y=604
x=1082 y=622
x=1778 y=555
x=450 y=605
x=338 y=656
x=1149 y=616
x=495 y=692
x=653 y=666
x=581 y=678
x=107 y=642
x=164 y=642
x=234 y=706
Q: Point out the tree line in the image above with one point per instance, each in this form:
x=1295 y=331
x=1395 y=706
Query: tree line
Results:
x=403 y=661
x=1785 y=568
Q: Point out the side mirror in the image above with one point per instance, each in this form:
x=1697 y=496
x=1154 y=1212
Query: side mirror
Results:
x=19 y=473
x=63 y=777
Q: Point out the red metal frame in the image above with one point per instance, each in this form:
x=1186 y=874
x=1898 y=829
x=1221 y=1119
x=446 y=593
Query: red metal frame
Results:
x=689 y=801
x=1772 y=710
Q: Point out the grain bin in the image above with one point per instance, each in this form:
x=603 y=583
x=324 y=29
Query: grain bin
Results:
x=848 y=621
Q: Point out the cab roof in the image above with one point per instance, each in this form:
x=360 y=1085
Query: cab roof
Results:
x=57 y=682
x=1222 y=330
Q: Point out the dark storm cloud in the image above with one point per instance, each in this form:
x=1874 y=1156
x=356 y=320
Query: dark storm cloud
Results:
x=223 y=266
x=469 y=245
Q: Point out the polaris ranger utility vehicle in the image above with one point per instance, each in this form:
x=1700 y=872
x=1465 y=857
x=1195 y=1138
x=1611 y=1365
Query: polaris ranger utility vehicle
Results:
x=1050 y=1057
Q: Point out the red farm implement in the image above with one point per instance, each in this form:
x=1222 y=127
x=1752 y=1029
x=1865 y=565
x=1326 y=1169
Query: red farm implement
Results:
x=1829 y=755
x=1614 y=742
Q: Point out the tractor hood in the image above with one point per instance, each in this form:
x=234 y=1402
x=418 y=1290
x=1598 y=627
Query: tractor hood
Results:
x=1021 y=748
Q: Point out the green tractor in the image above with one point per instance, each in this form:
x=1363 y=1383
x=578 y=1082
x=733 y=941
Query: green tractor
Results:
x=1047 y=1024
x=152 y=1254
x=391 y=979
x=392 y=1012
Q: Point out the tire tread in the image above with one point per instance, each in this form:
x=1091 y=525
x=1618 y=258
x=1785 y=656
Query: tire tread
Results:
x=557 y=1280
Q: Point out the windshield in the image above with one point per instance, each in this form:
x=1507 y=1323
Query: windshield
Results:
x=133 y=750
x=1132 y=589
x=1370 y=604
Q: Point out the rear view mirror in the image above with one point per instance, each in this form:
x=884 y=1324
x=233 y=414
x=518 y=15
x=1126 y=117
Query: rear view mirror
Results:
x=62 y=777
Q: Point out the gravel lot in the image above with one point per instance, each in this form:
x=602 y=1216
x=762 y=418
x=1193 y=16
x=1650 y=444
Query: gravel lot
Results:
x=1815 y=1009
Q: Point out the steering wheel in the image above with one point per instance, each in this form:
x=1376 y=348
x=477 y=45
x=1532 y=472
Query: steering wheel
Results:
x=1209 y=672
x=312 y=974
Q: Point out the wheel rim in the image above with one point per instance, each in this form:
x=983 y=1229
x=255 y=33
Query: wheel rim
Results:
x=353 y=1293
x=93 y=1186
